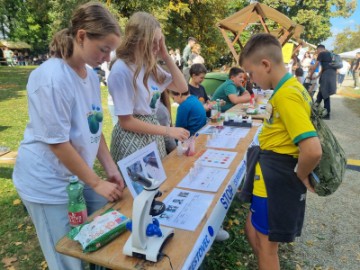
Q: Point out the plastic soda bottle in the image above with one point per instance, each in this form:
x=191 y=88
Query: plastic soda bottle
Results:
x=213 y=110
x=77 y=211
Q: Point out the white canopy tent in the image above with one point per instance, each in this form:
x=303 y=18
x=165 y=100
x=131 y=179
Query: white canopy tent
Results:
x=350 y=54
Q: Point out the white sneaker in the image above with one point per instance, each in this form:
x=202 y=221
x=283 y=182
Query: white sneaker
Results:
x=356 y=88
x=222 y=235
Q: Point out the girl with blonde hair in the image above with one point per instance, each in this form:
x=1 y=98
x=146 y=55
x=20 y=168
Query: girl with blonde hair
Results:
x=63 y=136
x=136 y=82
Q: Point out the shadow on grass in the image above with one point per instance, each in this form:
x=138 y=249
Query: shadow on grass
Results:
x=6 y=172
x=2 y=128
x=13 y=81
x=8 y=92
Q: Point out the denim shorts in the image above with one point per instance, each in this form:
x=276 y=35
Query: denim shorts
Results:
x=259 y=216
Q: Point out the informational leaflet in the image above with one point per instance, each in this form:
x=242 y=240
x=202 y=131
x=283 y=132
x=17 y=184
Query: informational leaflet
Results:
x=145 y=162
x=185 y=209
x=216 y=158
x=224 y=136
x=209 y=130
x=204 y=178
x=222 y=142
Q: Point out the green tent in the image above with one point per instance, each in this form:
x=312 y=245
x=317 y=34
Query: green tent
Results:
x=213 y=80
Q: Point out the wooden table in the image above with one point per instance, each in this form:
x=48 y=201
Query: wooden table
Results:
x=8 y=157
x=186 y=249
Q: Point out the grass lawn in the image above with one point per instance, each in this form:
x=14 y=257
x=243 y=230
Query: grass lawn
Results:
x=20 y=248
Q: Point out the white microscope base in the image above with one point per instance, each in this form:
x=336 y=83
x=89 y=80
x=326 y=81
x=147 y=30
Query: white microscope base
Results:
x=154 y=246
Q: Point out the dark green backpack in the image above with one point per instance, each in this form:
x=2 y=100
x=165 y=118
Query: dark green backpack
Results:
x=330 y=171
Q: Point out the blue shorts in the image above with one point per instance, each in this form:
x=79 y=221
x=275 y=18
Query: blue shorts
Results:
x=259 y=217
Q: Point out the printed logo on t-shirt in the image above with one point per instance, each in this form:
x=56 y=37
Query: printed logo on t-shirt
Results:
x=155 y=96
x=95 y=117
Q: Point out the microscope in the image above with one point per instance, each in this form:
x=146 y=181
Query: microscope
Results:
x=148 y=237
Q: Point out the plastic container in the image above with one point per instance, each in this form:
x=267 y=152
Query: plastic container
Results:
x=190 y=151
x=179 y=149
x=77 y=210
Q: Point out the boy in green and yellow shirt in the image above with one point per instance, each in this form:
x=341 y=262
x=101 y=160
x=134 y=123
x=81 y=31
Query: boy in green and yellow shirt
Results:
x=289 y=151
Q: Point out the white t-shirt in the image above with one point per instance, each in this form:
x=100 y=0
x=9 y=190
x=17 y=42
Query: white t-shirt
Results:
x=306 y=63
x=345 y=68
x=62 y=107
x=127 y=100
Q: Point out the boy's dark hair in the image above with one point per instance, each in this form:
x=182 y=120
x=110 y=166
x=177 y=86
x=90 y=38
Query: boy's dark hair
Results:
x=197 y=69
x=299 y=72
x=234 y=71
x=191 y=38
x=262 y=46
x=320 y=46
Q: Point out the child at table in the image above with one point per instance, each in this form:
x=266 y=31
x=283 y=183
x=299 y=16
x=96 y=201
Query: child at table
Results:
x=64 y=133
x=231 y=91
x=289 y=150
x=197 y=75
x=136 y=82
x=191 y=114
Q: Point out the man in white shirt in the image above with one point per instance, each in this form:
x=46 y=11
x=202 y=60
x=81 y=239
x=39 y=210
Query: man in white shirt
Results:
x=342 y=72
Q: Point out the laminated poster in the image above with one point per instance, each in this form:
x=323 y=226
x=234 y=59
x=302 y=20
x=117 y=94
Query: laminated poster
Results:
x=185 y=209
x=146 y=162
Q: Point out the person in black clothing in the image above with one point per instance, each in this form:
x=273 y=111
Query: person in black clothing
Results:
x=327 y=78
x=197 y=75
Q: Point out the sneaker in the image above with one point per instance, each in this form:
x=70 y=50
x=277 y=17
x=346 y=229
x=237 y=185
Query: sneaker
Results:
x=324 y=113
x=356 y=88
x=222 y=235
x=326 y=117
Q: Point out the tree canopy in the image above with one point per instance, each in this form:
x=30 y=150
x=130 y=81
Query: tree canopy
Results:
x=35 y=21
x=348 y=40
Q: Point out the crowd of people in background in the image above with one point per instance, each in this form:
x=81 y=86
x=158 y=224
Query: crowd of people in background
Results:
x=21 y=57
x=302 y=65
x=313 y=70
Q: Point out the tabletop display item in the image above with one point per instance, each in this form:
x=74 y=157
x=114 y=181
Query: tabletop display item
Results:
x=99 y=232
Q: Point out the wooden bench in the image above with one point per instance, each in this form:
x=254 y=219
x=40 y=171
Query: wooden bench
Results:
x=8 y=157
